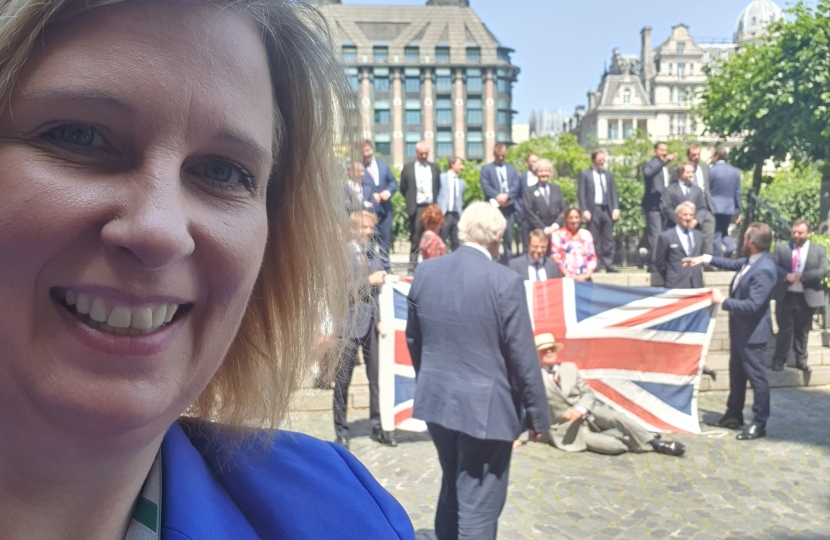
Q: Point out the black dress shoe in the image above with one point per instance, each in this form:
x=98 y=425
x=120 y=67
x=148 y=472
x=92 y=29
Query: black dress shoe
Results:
x=729 y=422
x=386 y=438
x=672 y=448
x=342 y=441
x=777 y=366
x=611 y=270
x=753 y=431
x=803 y=367
x=712 y=373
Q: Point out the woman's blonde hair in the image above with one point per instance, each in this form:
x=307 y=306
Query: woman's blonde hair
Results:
x=297 y=292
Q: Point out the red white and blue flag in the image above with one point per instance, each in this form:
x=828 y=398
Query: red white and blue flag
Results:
x=641 y=350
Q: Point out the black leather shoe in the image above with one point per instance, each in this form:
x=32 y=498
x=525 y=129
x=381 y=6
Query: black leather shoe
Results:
x=386 y=438
x=342 y=441
x=611 y=270
x=753 y=431
x=729 y=422
x=777 y=366
x=711 y=373
x=672 y=448
x=803 y=367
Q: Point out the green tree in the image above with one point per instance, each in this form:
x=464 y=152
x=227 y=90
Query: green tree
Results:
x=564 y=151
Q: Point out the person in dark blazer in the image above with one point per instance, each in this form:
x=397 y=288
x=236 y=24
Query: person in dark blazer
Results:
x=535 y=265
x=597 y=196
x=726 y=194
x=656 y=177
x=420 y=187
x=680 y=190
x=451 y=200
x=379 y=185
x=526 y=180
x=750 y=327
x=501 y=186
x=543 y=203
x=367 y=276
x=676 y=244
x=700 y=178
x=471 y=342
x=802 y=266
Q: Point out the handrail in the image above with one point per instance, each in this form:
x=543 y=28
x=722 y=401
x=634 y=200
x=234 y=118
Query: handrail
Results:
x=781 y=225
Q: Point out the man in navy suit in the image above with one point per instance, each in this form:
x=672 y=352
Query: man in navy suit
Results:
x=680 y=190
x=471 y=342
x=597 y=196
x=750 y=327
x=526 y=181
x=501 y=186
x=725 y=186
x=420 y=187
x=379 y=185
x=656 y=177
x=451 y=200
x=678 y=243
x=543 y=203
x=535 y=265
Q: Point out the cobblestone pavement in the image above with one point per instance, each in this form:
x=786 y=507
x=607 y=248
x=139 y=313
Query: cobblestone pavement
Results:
x=778 y=487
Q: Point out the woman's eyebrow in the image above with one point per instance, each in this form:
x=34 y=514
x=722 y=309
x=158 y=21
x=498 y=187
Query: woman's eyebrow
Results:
x=247 y=143
x=78 y=94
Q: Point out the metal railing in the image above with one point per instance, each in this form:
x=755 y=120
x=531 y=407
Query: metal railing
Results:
x=779 y=225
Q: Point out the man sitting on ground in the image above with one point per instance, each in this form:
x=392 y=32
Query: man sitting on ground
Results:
x=578 y=420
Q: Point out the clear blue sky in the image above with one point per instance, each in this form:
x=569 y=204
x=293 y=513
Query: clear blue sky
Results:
x=562 y=45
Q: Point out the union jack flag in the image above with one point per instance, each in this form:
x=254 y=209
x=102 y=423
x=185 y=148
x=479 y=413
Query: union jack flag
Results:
x=641 y=350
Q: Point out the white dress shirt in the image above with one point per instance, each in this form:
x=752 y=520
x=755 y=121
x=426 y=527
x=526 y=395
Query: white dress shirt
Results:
x=452 y=181
x=479 y=248
x=686 y=240
x=798 y=286
x=373 y=171
x=599 y=186
x=501 y=173
x=423 y=183
x=701 y=183
x=532 y=180
x=532 y=274
x=666 y=177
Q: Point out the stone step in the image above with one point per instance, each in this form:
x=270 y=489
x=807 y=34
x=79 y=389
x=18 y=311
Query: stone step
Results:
x=819 y=376
x=720 y=341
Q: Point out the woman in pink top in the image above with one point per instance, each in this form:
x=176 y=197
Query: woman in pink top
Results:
x=572 y=248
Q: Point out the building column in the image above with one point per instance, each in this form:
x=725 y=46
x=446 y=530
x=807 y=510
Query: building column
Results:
x=397 y=119
x=429 y=113
x=620 y=129
x=459 y=123
x=489 y=116
x=366 y=104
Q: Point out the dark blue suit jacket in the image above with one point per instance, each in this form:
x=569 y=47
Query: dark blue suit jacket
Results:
x=491 y=187
x=725 y=189
x=471 y=343
x=296 y=488
x=363 y=313
x=748 y=304
x=386 y=182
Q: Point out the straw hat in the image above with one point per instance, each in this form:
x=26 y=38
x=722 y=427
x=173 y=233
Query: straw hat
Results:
x=547 y=341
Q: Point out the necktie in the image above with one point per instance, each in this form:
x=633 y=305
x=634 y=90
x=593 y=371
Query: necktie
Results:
x=502 y=178
x=373 y=173
x=738 y=277
x=536 y=267
x=796 y=258
x=545 y=194
x=690 y=243
x=685 y=187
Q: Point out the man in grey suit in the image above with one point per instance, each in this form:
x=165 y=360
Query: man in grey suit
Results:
x=701 y=180
x=680 y=190
x=535 y=265
x=470 y=339
x=676 y=244
x=726 y=192
x=802 y=266
x=526 y=181
x=656 y=177
x=501 y=186
x=451 y=200
x=578 y=420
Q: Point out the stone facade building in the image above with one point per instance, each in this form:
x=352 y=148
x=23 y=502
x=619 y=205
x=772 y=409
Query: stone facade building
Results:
x=432 y=72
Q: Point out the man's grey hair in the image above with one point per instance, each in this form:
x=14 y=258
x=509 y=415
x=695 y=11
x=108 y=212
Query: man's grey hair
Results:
x=541 y=162
x=480 y=224
x=685 y=204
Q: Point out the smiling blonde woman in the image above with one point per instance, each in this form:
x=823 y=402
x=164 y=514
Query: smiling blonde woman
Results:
x=164 y=166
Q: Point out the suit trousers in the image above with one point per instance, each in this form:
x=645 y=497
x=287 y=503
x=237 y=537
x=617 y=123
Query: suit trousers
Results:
x=473 y=486
x=724 y=246
x=509 y=214
x=383 y=238
x=605 y=418
x=525 y=234
x=794 y=318
x=601 y=227
x=416 y=231
x=343 y=378
x=747 y=363
x=707 y=230
x=450 y=229
x=654 y=227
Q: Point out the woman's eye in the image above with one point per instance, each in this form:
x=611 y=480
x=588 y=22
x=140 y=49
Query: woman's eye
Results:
x=75 y=137
x=225 y=174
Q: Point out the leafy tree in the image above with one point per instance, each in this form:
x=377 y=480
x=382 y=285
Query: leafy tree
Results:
x=564 y=151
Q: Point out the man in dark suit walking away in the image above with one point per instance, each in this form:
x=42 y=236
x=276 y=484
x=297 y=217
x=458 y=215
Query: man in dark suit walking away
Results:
x=700 y=178
x=500 y=184
x=656 y=177
x=526 y=181
x=368 y=274
x=750 y=327
x=535 y=265
x=726 y=193
x=543 y=203
x=597 y=196
x=801 y=267
x=379 y=185
x=676 y=244
x=451 y=200
x=420 y=186
x=471 y=343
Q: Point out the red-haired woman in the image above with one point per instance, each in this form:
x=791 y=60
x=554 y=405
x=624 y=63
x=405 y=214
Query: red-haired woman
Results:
x=432 y=245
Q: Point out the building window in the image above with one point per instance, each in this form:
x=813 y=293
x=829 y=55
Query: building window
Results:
x=705 y=55
x=504 y=55
x=681 y=48
x=724 y=53
x=503 y=84
x=691 y=69
x=475 y=115
x=503 y=116
x=381 y=54
x=681 y=95
x=383 y=144
x=443 y=112
x=353 y=77
x=475 y=145
x=443 y=81
x=412 y=117
x=474 y=80
x=412 y=81
x=473 y=54
x=681 y=70
x=410 y=142
x=349 y=53
x=442 y=54
x=613 y=131
x=382 y=114
x=503 y=136
x=381 y=82
x=443 y=140
x=681 y=124
x=628 y=129
x=411 y=54
x=626 y=96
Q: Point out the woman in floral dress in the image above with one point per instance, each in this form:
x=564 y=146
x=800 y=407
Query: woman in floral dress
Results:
x=572 y=248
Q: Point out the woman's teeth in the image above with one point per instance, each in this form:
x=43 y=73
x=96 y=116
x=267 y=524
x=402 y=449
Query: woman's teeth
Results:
x=120 y=319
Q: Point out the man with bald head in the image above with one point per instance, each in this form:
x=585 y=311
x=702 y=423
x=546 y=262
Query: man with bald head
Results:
x=420 y=184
